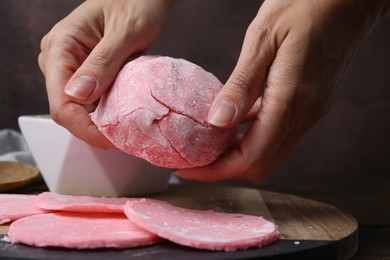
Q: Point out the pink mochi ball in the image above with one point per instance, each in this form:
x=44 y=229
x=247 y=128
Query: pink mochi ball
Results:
x=157 y=110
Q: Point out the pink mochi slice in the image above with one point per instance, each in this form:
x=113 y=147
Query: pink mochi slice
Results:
x=16 y=206
x=56 y=201
x=201 y=229
x=79 y=231
x=157 y=110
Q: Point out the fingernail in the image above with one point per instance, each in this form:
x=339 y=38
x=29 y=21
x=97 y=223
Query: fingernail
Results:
x=222 y=113
x=81 y=87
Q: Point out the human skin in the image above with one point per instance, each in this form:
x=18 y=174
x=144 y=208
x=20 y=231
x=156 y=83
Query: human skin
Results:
x=294 y=53
x=82 y=54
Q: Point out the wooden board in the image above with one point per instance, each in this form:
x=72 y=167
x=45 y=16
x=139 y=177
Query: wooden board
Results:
x=14 y=175
x=308 y=228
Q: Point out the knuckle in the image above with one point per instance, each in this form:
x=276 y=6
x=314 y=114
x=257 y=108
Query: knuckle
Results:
x=260 y=31
x=43 y=43
x=240 y=85
x=41 y=63
x=53 y=36
x=55 y=115
x=62 y=37
x=60 y=113
x=100 y=58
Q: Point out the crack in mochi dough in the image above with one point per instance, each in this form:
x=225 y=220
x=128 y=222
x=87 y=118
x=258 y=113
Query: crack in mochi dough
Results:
x=157 y=110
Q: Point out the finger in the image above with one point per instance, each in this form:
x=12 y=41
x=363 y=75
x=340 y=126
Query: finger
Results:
x=251 y=158
x=59 y=68
x=76 y=119
x=243 y=87
x=254 y=157
x=252 y=114
x=41 y=63
x=231 y=166
x=97 y=72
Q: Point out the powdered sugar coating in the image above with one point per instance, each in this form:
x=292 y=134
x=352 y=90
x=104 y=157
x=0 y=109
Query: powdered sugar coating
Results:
x=16 y=206
x=201 y=229
x=79 y=231
x=157 y=110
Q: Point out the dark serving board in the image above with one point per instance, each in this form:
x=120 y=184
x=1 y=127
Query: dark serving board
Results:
x=309 y=229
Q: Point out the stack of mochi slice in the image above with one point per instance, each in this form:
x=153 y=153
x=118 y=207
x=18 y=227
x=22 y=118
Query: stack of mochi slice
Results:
x=83 y=222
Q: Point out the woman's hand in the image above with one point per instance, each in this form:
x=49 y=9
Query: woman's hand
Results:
x=82 y=54
x=292 y=58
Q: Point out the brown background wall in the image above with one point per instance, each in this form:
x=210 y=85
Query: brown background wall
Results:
x=351 y=142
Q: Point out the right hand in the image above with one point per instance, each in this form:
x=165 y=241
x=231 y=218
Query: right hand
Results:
x=294 y=54
x=82 y=54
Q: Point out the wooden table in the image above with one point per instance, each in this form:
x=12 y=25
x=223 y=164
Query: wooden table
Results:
x=368 y=200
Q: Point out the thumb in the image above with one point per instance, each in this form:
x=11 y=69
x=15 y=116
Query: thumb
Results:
x=99 y=70
x=243 y=87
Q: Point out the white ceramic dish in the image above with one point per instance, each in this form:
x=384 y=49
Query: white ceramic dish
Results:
x=71 y=166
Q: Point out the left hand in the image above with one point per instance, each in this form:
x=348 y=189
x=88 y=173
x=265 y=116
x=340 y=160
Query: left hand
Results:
x=82 y=55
